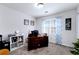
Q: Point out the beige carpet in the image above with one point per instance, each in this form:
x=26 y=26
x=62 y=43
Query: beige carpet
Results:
x=52 y=49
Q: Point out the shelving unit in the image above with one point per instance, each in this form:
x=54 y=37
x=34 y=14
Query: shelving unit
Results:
x=16 y=42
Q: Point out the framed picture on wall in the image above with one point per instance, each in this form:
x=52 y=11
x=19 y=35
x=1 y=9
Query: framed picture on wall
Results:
x=32 y=23
x=26 y=21
x=68 y=24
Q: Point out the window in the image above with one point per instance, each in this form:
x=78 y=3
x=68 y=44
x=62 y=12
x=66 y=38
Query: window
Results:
x=53 y=29
x=48 y=26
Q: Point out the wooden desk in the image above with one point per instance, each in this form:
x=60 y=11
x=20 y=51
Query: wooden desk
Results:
x=37 y=42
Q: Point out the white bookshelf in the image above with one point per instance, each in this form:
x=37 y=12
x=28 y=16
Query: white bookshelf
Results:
x=16 y=42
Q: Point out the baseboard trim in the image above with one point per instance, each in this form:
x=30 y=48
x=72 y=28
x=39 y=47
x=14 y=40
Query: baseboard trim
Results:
x=61 y=45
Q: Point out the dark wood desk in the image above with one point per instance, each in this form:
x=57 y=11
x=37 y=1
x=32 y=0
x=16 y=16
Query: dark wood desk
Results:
x=37 y=42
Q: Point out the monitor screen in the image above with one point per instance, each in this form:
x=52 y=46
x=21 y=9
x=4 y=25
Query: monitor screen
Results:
x=35 y=32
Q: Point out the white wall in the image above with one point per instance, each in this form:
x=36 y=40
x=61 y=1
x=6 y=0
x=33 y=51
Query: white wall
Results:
x=67 y=36
x=77 y=22
x=12 y=20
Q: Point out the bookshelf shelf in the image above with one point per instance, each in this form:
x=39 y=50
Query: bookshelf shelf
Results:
x=16 y=42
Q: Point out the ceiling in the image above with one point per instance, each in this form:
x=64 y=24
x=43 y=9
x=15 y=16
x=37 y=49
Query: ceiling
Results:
x=52 y=8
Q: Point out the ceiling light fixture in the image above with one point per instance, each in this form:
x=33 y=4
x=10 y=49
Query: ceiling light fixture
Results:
x=39 y=5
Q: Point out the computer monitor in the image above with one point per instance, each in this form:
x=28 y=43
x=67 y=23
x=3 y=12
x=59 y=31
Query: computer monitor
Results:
x=35 y=32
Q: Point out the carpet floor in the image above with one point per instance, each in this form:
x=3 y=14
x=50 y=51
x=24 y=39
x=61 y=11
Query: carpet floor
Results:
x=52 y=49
